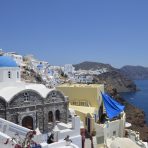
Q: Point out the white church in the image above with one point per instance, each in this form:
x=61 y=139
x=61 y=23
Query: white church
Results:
x=33 y=106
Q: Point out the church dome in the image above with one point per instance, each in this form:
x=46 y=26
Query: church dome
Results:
x=6 y=61
x=40 y=66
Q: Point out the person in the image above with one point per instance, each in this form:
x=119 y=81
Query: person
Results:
x=68 y=140
x=50 y=139
x=103 y=118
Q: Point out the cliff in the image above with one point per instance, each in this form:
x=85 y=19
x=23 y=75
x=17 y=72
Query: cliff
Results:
x=30 y=76
x=112 y=78
x=134 y=115
x=135 y=72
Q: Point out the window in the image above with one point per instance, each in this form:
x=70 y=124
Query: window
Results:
x=50 y=116
x=95 y=116
x=114 y=133
x=26 y=95
x=57 y=113
x=9 y=74
x=53 y=94
x=17 y=74
x=80 y=103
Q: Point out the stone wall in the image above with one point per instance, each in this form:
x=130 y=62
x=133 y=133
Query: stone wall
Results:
x=2 y=108
x=30 y=103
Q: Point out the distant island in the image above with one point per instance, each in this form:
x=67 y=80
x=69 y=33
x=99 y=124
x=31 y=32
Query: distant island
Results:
x=135 y=72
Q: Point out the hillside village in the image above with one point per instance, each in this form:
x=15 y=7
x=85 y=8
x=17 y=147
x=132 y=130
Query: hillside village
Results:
x=38 y=71
x=58 y=102
x=50 y=75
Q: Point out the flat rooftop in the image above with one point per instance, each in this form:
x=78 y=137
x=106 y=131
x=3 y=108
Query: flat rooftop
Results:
x=84 y=109
x=81 y=85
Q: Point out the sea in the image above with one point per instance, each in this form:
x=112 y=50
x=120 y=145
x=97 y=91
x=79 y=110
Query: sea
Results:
x=139 y=98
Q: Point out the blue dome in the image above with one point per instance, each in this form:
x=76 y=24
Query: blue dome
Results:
x=6 y=61
x=40 y=66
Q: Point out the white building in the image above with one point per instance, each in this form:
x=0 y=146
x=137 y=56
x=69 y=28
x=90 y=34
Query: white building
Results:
x=35 y=64
x=9 y=70
x=100 y=71
x=1 y=52
x=8 y=132
x=18 y=58
x=111 y=134
x=110 y=129
x=83 y=78
x=33 y=106
x=69 y=69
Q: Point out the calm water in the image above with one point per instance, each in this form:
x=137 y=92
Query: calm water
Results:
x=140 y=98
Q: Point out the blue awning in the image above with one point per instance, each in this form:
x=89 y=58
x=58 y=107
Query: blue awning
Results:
x=113 y=108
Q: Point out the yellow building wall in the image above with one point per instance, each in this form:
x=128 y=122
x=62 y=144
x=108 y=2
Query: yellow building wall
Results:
x=83 y=92
x=83 y=119
x=82 y=116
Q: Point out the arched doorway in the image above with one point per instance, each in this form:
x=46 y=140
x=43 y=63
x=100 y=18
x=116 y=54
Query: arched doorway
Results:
x=101 y=111
x=27 y=122
x=50 y=116
x=88 y=118
x=88 y=124
x=57 y=114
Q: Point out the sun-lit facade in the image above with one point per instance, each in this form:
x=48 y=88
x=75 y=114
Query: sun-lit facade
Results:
x=86 y=100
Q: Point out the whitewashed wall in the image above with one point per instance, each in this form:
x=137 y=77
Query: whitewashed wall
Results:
x=4 y=74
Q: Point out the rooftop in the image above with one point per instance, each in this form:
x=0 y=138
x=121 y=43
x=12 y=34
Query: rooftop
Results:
x=9 y=90
x=83 y=109
x=81 y=85
x=123 y=143
x=6 y=61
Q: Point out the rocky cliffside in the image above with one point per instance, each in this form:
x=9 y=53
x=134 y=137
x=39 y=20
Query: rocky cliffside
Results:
x=135 y=116
x=135 y=72
x=30 y=76
x=112 y=78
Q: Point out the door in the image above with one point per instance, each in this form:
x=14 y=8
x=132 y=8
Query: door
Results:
x=27 y=122
x=88 y=124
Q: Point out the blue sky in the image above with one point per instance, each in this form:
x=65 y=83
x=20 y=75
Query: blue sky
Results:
x=72 y=31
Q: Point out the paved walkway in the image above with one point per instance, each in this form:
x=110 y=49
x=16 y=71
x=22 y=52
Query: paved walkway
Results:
x=87 y=143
